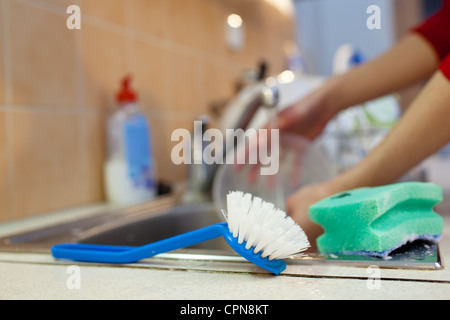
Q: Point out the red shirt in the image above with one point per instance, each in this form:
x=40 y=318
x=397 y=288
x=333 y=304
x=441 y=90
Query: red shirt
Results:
x=437 y=31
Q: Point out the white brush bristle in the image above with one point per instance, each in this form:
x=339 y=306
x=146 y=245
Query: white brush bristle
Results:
x=265 y=228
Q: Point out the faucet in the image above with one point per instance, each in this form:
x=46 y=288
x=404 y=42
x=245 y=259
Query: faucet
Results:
x=270 y=96
x=201 y=175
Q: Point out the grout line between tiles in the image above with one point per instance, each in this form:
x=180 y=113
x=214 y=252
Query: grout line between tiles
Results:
x=150 y=39
x=55 y=110
x=130 y=52
x=52 y=7
x=82 y=112
x=131 y=35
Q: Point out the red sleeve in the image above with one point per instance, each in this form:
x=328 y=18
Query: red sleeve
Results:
x=437 y=30
x=445 y=67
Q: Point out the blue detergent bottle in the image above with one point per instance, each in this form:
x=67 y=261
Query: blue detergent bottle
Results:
x=130 y=175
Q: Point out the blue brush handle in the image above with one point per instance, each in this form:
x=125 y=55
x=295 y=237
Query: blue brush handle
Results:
x=122 y=254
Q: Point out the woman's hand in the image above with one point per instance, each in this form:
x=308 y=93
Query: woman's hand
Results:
x=297 y=207
x=297 y=204
x=308 y=116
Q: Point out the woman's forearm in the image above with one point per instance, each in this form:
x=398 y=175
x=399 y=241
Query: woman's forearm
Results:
x=412 y=60
x=422 y=131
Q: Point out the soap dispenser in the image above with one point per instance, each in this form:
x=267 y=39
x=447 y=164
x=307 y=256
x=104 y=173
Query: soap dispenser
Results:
x=130 y=175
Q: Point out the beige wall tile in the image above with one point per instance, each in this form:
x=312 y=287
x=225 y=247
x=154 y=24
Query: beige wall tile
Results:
x=162 y=147
x=108 y=10
x=206 y=27
x=218 y=83
x=42 y=57
x=46 y=155
x=104 y=63
x=186 y=82
x=175 y=51
x=2 y=92
x=150 y=17
x=151 y=75
x=2 y=95
x=196 y=23
x=94 y=156
x=253 y=51
x=181 y=26
x=63 y=3
x=212 y=24
x=5 y=213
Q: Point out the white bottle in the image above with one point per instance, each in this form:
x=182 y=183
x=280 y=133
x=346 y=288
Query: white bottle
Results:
x=129 y=171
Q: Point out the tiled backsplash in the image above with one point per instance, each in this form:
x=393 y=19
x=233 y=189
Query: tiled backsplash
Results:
x=57 y=85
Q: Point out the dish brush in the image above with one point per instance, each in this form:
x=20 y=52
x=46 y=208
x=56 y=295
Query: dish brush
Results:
x=255 y=229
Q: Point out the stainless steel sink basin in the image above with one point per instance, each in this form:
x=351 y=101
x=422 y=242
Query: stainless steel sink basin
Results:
x=142 y=229
x=134 y=226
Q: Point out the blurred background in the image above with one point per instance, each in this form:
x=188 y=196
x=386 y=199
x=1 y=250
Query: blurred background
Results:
x=57 y=86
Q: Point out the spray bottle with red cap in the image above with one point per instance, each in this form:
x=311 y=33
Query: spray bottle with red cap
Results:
x=130 y=174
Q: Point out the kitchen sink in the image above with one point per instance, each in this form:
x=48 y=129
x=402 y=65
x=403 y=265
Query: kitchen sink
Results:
x=133 y=226
x=168 y=216
x=143 y=229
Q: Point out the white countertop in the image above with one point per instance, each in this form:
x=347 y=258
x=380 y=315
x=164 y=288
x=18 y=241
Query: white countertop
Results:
x=39 y=276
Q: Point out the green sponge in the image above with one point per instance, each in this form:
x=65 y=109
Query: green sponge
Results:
x=376 y=221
